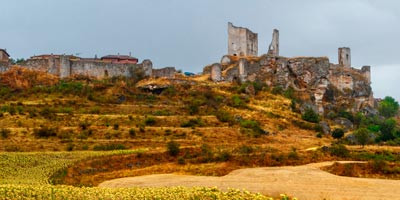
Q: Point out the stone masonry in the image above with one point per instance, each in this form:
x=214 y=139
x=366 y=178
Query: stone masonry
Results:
x=241 y=41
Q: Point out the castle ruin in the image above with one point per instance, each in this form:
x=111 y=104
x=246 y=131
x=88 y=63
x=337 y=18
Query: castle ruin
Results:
x=241 y=41
x=320 y=84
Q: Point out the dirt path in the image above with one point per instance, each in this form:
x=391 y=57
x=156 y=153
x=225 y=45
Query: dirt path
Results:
x=305 y=182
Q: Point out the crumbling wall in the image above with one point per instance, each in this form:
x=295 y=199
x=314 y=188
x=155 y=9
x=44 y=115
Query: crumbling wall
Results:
x=51 y=65
x=167 y=72
x=216 y=72
x=273 y=48
x=241 y=41
x=344 y=57
x=100 y=69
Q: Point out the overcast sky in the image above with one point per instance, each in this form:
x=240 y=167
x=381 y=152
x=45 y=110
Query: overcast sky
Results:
x=190 y=34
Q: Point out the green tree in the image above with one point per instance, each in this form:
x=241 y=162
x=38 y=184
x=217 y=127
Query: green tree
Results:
x=388 y=129
x=362 y=136
x=389 y=107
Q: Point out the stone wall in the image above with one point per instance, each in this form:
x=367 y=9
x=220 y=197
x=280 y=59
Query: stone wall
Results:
x=241 y=41
x=4 y=66
x=167 y=72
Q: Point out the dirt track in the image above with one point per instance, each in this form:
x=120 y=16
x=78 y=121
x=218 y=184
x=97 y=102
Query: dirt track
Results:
x=305 y=182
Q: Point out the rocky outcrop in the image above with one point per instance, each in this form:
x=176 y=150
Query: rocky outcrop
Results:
x=316 y=81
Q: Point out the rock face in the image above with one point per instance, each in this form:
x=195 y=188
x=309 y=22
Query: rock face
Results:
x=314 y=80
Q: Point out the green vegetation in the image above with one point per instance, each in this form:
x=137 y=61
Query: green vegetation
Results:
x=310 y=115
x=109 y=147
x=173 y=148
x=362 y=136
x=338 y=133
x=389 y=107
x=252 y=128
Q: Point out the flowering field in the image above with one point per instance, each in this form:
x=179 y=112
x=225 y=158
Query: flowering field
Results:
x=40 y=192
x=27 y=176
x=38 y=167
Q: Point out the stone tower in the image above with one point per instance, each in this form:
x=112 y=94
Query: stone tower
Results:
x=241 y=41
x=274 y=46
x=65 y=66
x=344 y=57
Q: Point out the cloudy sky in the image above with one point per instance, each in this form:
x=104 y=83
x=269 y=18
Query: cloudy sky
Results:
x=190 y=34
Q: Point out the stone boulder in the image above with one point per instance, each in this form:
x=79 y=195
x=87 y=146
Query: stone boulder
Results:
x=345 y=123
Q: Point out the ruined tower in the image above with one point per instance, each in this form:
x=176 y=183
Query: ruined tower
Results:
x=344 y=57
x=241 y=41
x=273 y=48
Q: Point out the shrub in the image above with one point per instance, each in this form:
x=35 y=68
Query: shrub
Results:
x=237 y=102
x=192 y=123
x=150 y=121
x=339 y=150
x=173 y=148
x=245 y=149
x=223 y=156
x=338 y=133
x=389 y=107
x=45 y=132
x=310 y=115
x=4 y=133
x=116 y=126
x=132 y=132
x=293 y=155
x=47 y=112
x=109 y=147
x=70 y=147
x=84 y=125
x=181 y=160
x=224 y=116
x=277 y=90
x=252 y=127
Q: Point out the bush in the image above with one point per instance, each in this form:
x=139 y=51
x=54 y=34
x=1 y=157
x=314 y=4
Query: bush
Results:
x=223 y=156
x=150 y=121
x=389 y=107
x=237 y=102
x=310 y=115
x=181 y=160
x=4 y=133
x=338 y=133
x=339 y=150
x=116 y=126
x=45 y=132
x=109 y=147
x=173 y=148
x=192 y=123
x=252 y=127
x=132 y=132
x=277 y=90
x=388 y=129
x=224 y=116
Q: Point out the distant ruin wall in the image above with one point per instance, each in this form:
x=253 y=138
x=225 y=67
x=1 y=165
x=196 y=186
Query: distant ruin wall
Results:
x=167 y=72
x=100 y=69
x=4 y=66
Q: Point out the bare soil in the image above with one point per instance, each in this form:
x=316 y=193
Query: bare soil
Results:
x=307 y=182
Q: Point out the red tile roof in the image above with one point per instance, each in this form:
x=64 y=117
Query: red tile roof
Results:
x=119 y=57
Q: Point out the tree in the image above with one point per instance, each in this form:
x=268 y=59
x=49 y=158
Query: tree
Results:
x=388 y=129
x=338 y=133
x=362 y=136
x=389 y=107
